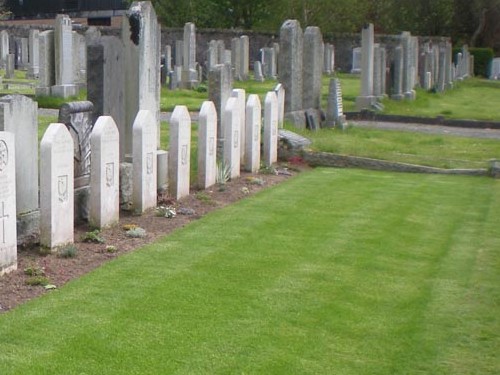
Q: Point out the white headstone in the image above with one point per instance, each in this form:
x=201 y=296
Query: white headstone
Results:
x=270 y=153
x=179 y=152
x=34 y=53
x=207 y=145
x=104 y=173
x=244 y=57
x=280 y=94
x=4 y=47
x=366 y=98
x=231 y=125
x=241 y=96
x=356 y=60
x=56 y=187
x=8 y=231
x=252 y=136
x=144 y=162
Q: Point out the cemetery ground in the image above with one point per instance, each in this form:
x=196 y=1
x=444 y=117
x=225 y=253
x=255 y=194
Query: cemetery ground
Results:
x=332 y=271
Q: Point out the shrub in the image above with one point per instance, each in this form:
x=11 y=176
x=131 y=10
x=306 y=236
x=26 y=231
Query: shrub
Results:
x=68 y=251
x=37 y=280
x=93 y=236
x=34 y=270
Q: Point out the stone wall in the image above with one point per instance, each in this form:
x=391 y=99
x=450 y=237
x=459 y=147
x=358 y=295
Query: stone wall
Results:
x=344 y=43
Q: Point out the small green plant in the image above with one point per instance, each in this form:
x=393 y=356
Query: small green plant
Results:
x=201 y=88
x=68 y=251
x=166 y=211
x=136 y=232
x=37 y=280
x=34 y=270
x=267 y=169
x=111 y=249
x=93 y=237
x=223 y=173
x=204 y=197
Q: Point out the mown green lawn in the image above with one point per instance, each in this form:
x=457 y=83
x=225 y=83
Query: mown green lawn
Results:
x=442 y=151
x=333 y=272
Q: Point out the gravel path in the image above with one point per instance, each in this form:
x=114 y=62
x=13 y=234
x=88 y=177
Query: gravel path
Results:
x=430 y=129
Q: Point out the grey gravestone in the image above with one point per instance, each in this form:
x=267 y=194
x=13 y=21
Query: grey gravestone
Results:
x=257 y=71
x=219 y=89
x=269 y=62
x=34 y=54
x=8 y=233
x=19 y=115
x=244 y=57
x=312 y=67
x=335 y=111
x=356 y=60
x=495 y=68
x=105 y=83
x=4 y=47
x=9 y=69
x=141 y=38
x=46 y=72
x=63 y=47
x=236 y=58
x=78 y=119
x=290 y=64
x=240 y=95
x=366 y=98
x=397 y=74
x=189 y=73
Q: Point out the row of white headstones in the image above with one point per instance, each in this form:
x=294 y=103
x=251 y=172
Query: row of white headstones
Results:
x=57 y=166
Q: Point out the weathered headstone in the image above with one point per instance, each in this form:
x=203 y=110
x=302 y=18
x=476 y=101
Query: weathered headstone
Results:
x=231 y=126
x=257 y=71
x=329 y=59
x=168 y=58
x=269 y=62
x=377 y=71
x=8 y=233
x=144 y=162
x=219 y=90
x=179 y=152
x=252 y=136
x=78 y=118
x=397 y=74
x=244 y=57
x=4 y=48
x=189 y=73
x=24 y=59
x=19 y=115
x=236 y=58
x=63 y=47
x=240 y=95
x=366 y=98
x=34 y=54
x=335 y=111
x=356 y=60
x=106 y=83
x=104 y=173
x=280 y=94
x=46 y=72
x=270 y=142
x=312 y=67
x=9 y=68
x=495 y=68
x=207 y=145
x=56 y=187
x=162 y=171
x=141 y=37
x=290 y=64
x=408 y=74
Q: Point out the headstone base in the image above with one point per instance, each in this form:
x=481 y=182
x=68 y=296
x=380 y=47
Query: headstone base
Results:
x=28 y=228
x=363 y=102
x=397 y=97
x=64 y=91
x=411 y=95
x=7 y=269
x=297 y=118
x=42 y=91
x=32 y=73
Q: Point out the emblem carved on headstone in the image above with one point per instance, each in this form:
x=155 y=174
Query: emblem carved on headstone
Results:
x=211 y=146
x=149 y=163
x=236 y=139
x=4 y=155
x=110 y=174
x=62 y=188
x=184 y=154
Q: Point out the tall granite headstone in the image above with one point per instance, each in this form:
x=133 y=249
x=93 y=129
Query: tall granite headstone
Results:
x=207 y=145
x=252 y=137
x=180 y=152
